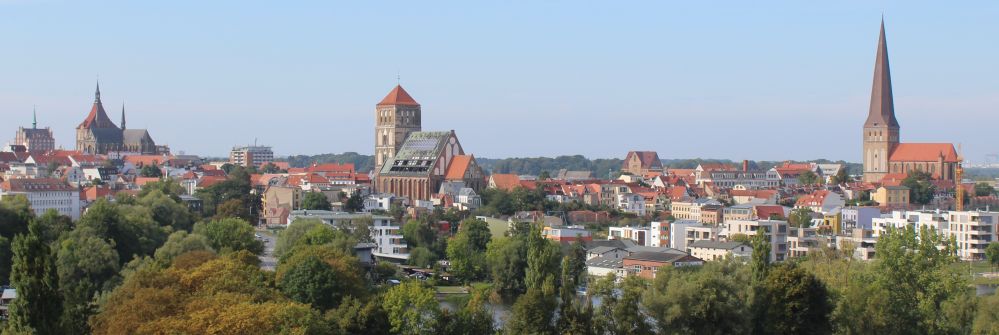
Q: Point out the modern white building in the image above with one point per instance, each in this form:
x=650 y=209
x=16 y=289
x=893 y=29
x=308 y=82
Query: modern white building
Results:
x=631 y=203
x=386 y=234
x=716 y=251
x=44 y=194
x=972 y=230
x=251 y=155
x=776 y=232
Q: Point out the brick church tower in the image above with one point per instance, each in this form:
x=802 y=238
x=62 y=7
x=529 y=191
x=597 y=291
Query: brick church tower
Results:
x=881 y=130
x=396 y=117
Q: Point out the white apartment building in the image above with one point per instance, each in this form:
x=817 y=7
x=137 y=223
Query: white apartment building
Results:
x=678 y=233
x=251 y=155
x=44 y=194
x=776 y=232
x=972 y=230
x=386 y=234
x=631 y=203
x=641 y=235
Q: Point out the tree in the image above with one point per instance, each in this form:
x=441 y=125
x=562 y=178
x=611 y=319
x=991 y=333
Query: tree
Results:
x=706 y=300
x=987 y=320
x=808 y=178
x=179 y=243
x=312 y=282
x=321 y=275
x=86 y=264
x=532 y=313
x=992 y=254
x=921 y=190
x=800 y=217
x=39 y=304
x=270 y=168
x=909 y=282
x=466 y=250
x=289 y=237
x=411 y=308
x=51 y=225
x=354 y=203
x=421 y=257
x=131 y=228
x=543 y=257
x=507 y=260
x=316 y=201
x=574 y=317
x=761 y=255
x=204 y=294
x=983 y=189
x=544 y=175
x=841 y=177
x=166 y=210
x=231 y=197
x=15 y=214
x=620 y=311
x=354 y=316
x=794 y=302
x=150 y=171
x=227 y=235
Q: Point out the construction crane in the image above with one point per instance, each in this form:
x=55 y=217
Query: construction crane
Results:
x=958 y=177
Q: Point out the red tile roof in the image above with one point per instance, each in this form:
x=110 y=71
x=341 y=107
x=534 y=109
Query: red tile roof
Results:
x=8 y=157
x=329 y=167
x=95 y=192
x=398 y=97
x=649 y=159
x=923 y=152
x=459 y=166
x=139 y=181
x=764 y=212
x=207 y=180
x=814 y=199
x=506 y=182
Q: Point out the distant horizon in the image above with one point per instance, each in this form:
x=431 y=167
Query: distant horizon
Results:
x=774 y=83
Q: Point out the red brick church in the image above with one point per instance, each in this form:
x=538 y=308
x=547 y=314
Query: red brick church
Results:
x=883 y=153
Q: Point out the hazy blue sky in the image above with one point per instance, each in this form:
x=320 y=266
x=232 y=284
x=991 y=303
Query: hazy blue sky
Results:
x=739 y=80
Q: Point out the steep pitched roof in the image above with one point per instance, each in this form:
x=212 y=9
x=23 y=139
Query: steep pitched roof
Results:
x=97 y=118
x=419 y=153
x=923 y=152
x=882 y=112
x=398 y=97
x=459 y=165
x=649 y=159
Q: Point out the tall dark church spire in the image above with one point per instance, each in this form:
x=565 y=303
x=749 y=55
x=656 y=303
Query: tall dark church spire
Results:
x=34 y=117
x=97 y=94
x=882 y=112
x=122 y=116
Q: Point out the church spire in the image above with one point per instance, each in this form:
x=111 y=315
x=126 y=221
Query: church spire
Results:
x=34 y=117
x=882 y=112
x=97 y=94
x=122 y=115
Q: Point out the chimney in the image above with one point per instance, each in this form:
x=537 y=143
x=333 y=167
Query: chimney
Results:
x=745 y=165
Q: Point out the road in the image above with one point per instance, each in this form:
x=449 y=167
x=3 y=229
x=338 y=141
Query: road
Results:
x=267 y=260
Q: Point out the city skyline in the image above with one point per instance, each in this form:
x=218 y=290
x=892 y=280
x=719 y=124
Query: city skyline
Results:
x=777 y=81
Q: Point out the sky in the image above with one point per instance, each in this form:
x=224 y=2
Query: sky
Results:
x=712 y=79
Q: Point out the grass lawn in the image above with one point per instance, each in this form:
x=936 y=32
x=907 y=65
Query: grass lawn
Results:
x=451 y=290
x=973 y=269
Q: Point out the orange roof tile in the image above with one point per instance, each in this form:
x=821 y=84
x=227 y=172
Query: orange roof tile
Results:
x=923 y=152
x=459 y=166
x=398 y=97
x=505 y=181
